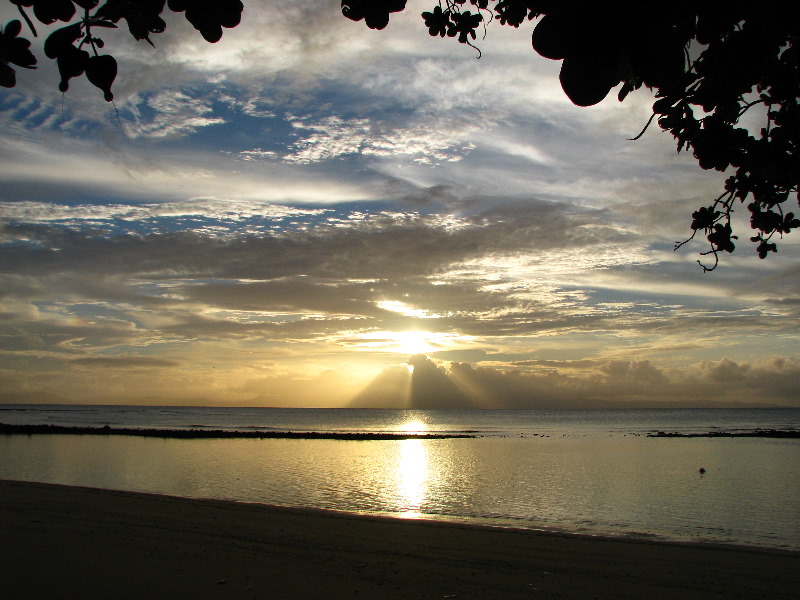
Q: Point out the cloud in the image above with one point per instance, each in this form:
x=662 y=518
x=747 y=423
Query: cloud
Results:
x=333 y=274
x=639 y=371
x=333 y=137
x=414 y=244
x=603 y=385
x=209 y=208
x=173 y=112
x=75 y=170
x=125 y=362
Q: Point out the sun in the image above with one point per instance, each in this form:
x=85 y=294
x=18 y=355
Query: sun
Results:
x=415 y=341
x=407 y=343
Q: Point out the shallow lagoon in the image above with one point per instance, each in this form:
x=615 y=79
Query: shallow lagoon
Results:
x=605 y=478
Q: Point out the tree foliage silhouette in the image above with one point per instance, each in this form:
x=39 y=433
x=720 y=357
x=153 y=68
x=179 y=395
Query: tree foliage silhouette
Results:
x=708 y=65
x=66 y=44
x=726 y=78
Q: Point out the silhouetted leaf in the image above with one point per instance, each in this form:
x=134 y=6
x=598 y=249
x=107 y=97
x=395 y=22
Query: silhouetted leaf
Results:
x=375 y=13
x=551 y=37
x=721 y=238
x=12 y=29
x=101 y=72
x=437 y=21
x=587 y=79
x=71 y=63
x=704 y=218
x=14 y=50
x=209 y=17
x=8 y=78
x=50 y=11
x=58 y=41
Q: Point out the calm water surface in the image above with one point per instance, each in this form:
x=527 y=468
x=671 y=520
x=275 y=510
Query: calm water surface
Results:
x=584 y=472
x=484 y=422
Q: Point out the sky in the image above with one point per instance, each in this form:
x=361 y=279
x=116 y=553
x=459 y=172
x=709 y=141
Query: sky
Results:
x=313 y=213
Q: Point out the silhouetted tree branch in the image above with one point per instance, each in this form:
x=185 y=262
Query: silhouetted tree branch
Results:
x=746 y=57
x=708 y=64
x=76 y=47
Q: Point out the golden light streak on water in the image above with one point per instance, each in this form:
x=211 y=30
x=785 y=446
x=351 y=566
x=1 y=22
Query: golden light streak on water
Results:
x=412 y=477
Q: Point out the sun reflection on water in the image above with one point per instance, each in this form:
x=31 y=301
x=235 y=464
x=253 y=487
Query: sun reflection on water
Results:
x=412 y=477
x=414 y=426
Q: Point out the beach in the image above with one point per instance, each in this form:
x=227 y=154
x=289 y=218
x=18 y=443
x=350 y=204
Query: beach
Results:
x=62 y=542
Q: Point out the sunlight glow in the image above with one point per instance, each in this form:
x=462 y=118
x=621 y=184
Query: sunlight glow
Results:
x=414 y=427
x=409 y=342
x=406 y=310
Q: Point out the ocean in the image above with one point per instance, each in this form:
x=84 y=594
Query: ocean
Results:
x=588 y=472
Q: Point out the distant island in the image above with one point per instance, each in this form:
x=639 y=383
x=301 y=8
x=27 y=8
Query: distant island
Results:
x=760 y=433
x=192 y=434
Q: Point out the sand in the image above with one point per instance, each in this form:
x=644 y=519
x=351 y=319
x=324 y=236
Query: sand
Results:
x=59 y=542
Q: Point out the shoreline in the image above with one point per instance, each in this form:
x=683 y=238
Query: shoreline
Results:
x=67 y=542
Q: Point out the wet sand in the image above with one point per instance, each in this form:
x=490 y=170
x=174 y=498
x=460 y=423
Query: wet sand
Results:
x=60 y=542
